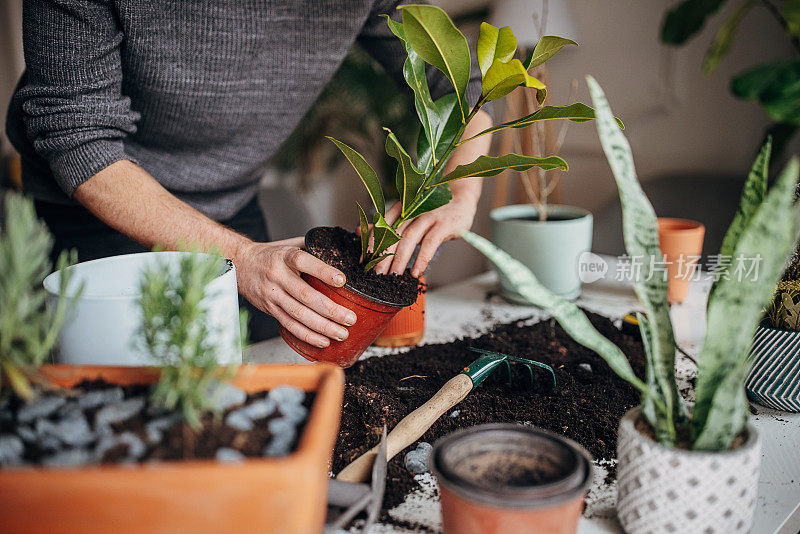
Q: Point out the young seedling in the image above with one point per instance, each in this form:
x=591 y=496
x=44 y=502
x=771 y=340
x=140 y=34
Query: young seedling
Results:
x=28 y=330
x=431 y=38
x=765 y=227
x=174 y=332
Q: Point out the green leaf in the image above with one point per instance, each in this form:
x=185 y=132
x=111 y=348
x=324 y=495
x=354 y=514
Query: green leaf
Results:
x=502 y=78
x=366 y=173
x=408 y=179
x=791 y=13
x=432 y=34
x=686 y=19
x=722 y=42
x=568 y=315
x=640 y=232
x=775 y=85
x=445 y=126
x=547 y=47
x=494 y=45
x=576 y=112
x=385 y=236
x=720 y=410
x=432 y=198
x=363 y=224
x=491 y=166
x=375 y=261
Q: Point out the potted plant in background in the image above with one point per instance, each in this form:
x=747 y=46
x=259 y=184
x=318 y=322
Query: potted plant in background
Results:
x=190 y=446
x=422 y=185
x=682 y=469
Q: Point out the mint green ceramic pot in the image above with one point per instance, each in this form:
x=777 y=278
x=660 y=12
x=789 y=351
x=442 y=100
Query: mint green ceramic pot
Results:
x=550 y=249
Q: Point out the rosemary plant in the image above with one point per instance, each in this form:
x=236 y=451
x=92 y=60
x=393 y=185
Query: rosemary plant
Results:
x=766 y=227
x=28 y=330
x=431 y=38
x=174 y=331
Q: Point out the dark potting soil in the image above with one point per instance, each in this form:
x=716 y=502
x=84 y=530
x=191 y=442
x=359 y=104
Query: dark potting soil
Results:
x=178 y=440
x=586 y=406
x=342 y=249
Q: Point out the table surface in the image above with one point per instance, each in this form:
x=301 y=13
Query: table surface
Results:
x=469 y=307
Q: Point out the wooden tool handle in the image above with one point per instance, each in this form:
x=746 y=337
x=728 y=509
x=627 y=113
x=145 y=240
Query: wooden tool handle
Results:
x=411 y=427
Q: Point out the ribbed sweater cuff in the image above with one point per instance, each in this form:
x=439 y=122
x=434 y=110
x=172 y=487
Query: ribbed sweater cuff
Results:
x=73 y=167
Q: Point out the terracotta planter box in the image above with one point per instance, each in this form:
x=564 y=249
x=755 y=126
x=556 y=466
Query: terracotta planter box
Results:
x=281 y=495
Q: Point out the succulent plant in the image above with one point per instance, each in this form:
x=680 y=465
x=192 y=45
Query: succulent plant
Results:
x=431 y=38
x=28 y=329
x=765 y=226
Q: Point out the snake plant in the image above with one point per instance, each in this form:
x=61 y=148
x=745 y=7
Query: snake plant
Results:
x=431 y=39
x=766 y=227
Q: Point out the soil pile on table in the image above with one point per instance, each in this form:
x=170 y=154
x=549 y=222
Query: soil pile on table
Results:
x=586 y=405
x=342 y=249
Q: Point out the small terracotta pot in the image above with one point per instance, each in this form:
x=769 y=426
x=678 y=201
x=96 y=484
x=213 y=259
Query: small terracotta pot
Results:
x=258 y=495
x=408 y=326
x=681 y=241
x=372 y=316
x=490 y=480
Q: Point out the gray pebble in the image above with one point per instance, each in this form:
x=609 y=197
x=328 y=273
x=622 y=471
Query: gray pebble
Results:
x=121 y=411
x=49 y=443
x=100 y=397
x=239 y=421
x=69 y=458
x=75 y=432
x=455 y=413
x=11 y=450
x=27 y=434
x=156 y=427
x=279 y=446
x=416 y=462
x=586 y=367
x=222 y=396
x=229 y=455
x=258 y=409
x=105 y=444
x=39 y=408
x=424 y=446
x=295 y=413
x=287 y=395
x=136 y=447
x=282 y=428
x=70 y=410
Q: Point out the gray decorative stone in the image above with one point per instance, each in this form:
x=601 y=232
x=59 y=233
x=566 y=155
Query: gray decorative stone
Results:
x=39 y=408
x=586 y=367
x=454 y=414
x=11 y=450
x=239 y=421
x=258 y=409
x=100 y=397
x=105 y=444
x=296 y=413
x=68 y=458
x=278 y=447
x=155 y=428
x=425 y=447
x=27 y=434
x=416 y=461
x=229 y=455
x=69 y=410
x=118 y=412
x=287 y=395
x=223 y=396
x=75 y=431
x=282 y=428
x=136 y=447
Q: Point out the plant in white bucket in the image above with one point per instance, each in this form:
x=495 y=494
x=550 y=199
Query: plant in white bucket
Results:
x=682 y=469
x=101 y=328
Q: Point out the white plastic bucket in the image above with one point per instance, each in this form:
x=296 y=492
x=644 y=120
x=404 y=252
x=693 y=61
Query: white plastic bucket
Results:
x=101 y=328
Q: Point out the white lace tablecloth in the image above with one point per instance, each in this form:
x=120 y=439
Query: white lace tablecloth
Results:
x=471 y=306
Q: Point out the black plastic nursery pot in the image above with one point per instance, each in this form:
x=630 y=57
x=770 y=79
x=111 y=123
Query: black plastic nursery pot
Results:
x=502 y=478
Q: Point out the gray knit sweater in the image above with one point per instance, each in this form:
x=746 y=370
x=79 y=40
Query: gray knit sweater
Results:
x=199 y=93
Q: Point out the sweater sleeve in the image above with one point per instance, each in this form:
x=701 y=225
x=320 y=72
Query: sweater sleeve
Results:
x=384 y=46
x=72 y=104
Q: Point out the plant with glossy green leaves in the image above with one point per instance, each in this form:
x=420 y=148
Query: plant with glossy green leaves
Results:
x=766 y=227
x=174 y=332
x=431 y=38
x=28 y=329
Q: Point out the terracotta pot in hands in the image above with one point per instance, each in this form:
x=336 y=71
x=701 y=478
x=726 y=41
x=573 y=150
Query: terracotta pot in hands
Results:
x=681 y=241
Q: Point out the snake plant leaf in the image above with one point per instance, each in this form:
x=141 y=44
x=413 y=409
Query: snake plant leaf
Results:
x=430 y=199
x=547 y=47
x=363 y=224
x=568 y=315
x=431 y=33
x=722 y=42
x=408 y=179
x=775 y=85
x=719 y=412
x=366 y=173
x=445 y=126
x=686 y=19
x=640 y=232
x=654 y=381
x=504 y=77
x=577 y=112
x=384 y=235
x=494 y=44
x=493 y=165
x=753 y=192
x=414 y=74
x=524 y=361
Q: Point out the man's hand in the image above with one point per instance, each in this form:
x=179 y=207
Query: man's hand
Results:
x=269 y=277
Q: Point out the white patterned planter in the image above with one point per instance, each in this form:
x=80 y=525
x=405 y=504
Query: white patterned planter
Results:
x=774 y=380
x=663 y=490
